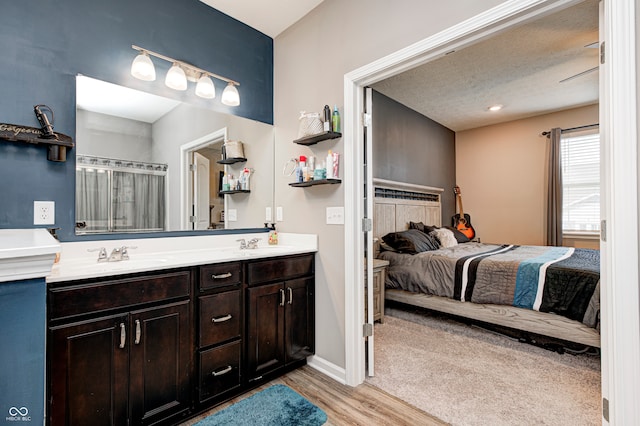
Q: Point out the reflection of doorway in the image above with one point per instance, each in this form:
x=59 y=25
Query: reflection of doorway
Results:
x=201 y=207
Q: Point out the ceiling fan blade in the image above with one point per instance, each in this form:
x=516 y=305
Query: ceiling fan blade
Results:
x=579 y=74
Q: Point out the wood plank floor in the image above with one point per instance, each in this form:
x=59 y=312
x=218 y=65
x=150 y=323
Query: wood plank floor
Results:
x=345 y=405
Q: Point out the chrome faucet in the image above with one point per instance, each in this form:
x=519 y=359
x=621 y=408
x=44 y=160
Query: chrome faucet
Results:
x=102 y=254
x=253 y=243
x=243 y=243
x=119 y=253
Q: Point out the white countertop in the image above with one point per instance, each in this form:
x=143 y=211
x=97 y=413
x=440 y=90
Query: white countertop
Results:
x=26 y=253
x=79 y=259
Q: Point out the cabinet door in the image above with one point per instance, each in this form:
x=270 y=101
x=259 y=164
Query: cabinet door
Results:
x=160 y=362
x=265 y=327
x=89 y=372
x=299 y=319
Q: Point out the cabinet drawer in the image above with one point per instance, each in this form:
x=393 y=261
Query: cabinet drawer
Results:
x=220 y=275
x=220 y=317
x=279 y=269
x=219 y=370
x=70 y=301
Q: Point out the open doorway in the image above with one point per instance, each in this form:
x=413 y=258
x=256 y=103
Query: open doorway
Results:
x=620 y=344
x=202 y=205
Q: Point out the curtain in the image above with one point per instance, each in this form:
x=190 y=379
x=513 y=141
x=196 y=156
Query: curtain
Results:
x=138 y=202
x=111 y=199
x=554 y=191
x=92 y=200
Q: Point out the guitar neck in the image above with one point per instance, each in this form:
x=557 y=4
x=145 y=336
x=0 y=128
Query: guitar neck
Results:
x=460 y=203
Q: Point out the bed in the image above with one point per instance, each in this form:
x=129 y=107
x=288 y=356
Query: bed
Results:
x=546 y=291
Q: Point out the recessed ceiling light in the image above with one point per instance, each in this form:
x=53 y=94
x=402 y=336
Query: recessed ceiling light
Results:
x=495 y=108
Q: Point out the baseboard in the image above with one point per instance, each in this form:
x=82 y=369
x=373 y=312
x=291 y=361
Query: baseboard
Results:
x=327 y=368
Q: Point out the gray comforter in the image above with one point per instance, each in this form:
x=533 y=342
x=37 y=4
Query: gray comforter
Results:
x=562 y=280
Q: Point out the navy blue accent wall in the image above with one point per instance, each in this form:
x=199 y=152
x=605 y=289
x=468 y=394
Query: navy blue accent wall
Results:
x=44 y=44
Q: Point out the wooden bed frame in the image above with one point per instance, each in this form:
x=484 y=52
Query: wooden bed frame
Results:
x=397 y=203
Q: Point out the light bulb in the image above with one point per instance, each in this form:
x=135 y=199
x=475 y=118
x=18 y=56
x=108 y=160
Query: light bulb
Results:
x=230 y=95
x=142 y=68
x=205 y=87
x=176 y=78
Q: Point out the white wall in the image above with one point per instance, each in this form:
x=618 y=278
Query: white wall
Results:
x=310 y=61
x=502 y=172
x=107 y=136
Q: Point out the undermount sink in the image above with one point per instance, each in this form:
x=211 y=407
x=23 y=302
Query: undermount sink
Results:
x=262 y=251
x=114 y=266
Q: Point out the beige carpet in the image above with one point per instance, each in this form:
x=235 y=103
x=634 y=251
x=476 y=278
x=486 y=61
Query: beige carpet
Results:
x=465 y=375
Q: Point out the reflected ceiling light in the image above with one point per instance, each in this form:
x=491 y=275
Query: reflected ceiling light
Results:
x=142 y=67
x=230 y=95
x=205 y=88
x=176 y=78
x=495 y=108
x=181 y=72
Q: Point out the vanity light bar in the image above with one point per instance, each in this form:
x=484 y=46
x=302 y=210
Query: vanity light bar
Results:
x=191 y=72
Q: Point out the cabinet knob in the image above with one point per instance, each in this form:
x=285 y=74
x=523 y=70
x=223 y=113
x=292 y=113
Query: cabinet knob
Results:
x=225 y=370
x=222 y=319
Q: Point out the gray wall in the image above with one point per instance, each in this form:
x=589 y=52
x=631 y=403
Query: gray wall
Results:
x=310 y=61
x=409 y=147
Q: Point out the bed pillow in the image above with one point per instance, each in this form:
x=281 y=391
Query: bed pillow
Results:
x=460 y=237
x=411 y=241
x=445 y=237
x=422 y=227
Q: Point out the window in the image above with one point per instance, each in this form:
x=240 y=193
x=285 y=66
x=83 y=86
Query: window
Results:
x=580 y=153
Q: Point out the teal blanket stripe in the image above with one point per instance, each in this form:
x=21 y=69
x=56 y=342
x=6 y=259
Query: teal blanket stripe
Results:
x=277 y=405
x=528 y=275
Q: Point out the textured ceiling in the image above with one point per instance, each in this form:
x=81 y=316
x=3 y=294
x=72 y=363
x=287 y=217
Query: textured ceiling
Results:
x=520 y=68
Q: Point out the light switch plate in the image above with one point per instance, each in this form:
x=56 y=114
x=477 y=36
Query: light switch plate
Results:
x=44 y=212
x=335 y=215
x=279 y=214
x=267 y=214
x=232 y=215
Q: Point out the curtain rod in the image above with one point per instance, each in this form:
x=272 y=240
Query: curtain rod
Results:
x=573 y=128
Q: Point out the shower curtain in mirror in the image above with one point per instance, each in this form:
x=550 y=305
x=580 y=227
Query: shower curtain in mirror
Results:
x=119 y=196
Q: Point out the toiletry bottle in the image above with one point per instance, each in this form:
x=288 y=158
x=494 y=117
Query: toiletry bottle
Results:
x=303 y=168
x=336 y=161
x=327 y=118
x=336 y=119
x=329 y=165
x=311 y=166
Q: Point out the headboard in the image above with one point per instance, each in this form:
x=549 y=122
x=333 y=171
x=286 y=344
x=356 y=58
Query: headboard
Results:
x=395 y=204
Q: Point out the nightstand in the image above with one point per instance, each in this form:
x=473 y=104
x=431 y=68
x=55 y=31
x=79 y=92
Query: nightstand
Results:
x=379 y=275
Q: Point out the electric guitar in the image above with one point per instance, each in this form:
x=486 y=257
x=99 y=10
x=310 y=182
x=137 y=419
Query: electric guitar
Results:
x=462 y=221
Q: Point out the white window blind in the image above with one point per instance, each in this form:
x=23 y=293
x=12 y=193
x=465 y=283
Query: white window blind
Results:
x=580 y=153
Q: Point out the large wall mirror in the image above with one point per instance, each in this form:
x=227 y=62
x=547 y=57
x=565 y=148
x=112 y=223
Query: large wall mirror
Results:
x=145 y=163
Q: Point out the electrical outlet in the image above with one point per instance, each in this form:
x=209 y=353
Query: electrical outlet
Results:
x=279 y=214
x=232 y=215
x=44 y=212
x=267 y=214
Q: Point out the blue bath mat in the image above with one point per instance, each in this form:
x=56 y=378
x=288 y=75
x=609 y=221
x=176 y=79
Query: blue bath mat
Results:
x=277 y=405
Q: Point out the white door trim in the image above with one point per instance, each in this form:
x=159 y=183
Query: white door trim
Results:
x=623 y=385
x=185 y=175
x=620 y=278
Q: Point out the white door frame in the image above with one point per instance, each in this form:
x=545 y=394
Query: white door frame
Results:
x=185 y=174
x=621 y=340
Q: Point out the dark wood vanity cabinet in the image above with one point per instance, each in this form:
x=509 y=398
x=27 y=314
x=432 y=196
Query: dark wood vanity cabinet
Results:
x=157 y=348
x=280 y=314
x=220 y=331
x=120 y=350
